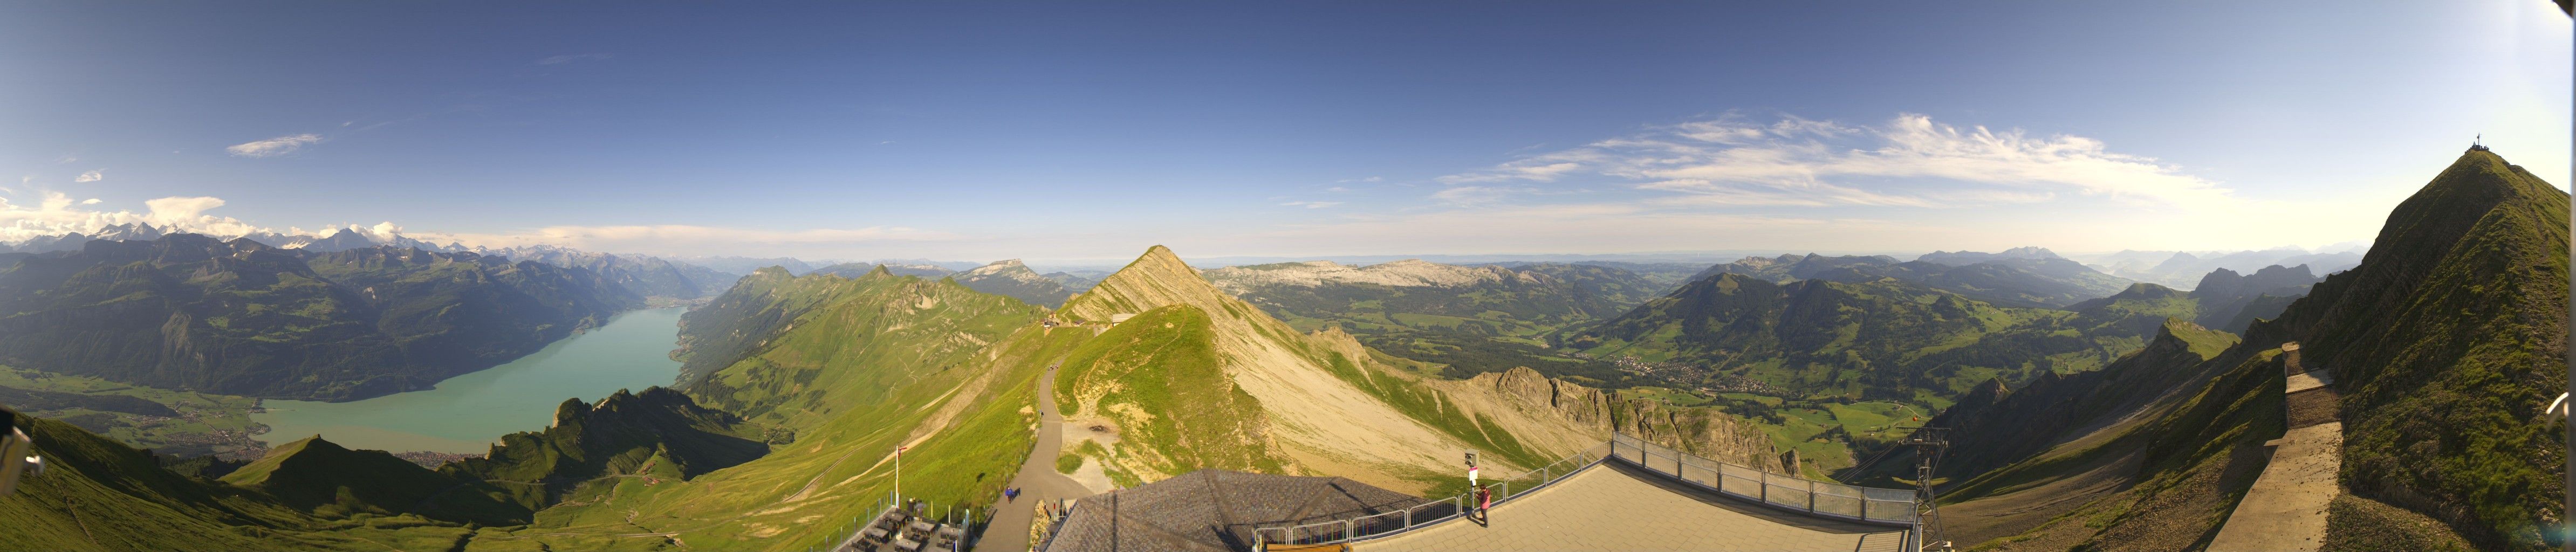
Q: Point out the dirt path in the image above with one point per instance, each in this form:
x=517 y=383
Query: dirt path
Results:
x=1037 y=480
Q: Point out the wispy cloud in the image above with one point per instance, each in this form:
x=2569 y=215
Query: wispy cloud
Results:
x=1476 y=195
x=1311 y=204
x=569 y=58
x=1362 y=179
x=273 y=147
x=1907 y=161
x=92 y=176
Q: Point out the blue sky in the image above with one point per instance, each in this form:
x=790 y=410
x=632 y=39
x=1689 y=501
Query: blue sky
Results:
x=1088 y=131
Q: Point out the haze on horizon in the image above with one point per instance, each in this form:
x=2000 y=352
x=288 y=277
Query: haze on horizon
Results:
x=1080 y=132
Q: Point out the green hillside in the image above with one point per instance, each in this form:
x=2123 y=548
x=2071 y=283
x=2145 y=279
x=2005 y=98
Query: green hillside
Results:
x=1158 y=375
x=1885 y=338
x=715 y=335
x=100 y=495
x=1470 y=320
x=2446 y=342
x=837 y=373
x=189 y=312
x=791 y=379
x=329 y=481
x=659 y=432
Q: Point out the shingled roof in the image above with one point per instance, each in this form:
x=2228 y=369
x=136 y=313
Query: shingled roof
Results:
x=1214 y=510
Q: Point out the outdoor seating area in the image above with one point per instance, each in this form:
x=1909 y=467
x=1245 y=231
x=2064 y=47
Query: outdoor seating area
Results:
x=907 y=529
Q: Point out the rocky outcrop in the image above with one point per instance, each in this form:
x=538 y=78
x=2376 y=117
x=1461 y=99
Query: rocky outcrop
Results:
x=1705 y=432
x=1012 y=279
x=1404 y=273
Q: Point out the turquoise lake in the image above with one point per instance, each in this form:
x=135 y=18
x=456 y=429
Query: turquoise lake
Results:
x=467 y=413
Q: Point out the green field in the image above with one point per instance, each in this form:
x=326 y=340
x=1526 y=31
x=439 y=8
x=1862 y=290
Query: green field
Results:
x=207 y=423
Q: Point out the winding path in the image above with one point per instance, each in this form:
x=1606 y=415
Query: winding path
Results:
x=1037 y=480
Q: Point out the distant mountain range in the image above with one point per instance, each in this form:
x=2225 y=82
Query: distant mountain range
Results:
x=2023 y=277
x=186 y=311
x=336 y=239
x=2183 y=269
x=1011 y=279
x=644 y=275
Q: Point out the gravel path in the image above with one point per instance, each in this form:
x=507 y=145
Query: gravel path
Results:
x=1037 y=480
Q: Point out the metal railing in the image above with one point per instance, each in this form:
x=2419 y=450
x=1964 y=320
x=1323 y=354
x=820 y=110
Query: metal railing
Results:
x=1786 y=492
x=1383 y=524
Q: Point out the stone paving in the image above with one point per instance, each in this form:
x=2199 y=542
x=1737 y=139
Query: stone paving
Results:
x=1615 y=506
x=2285 y=511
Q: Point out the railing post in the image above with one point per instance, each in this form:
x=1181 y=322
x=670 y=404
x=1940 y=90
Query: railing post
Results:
x=1346 y=530
x=1811 y=496
x=1408 y=518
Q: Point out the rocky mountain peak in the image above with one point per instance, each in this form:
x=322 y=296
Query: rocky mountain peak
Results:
x=1154 y=279
x=998 y=267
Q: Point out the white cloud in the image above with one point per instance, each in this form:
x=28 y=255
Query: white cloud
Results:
x=92 y=176
x=57 y=214
x=66 y=159
x=1311 y=204
x=1337 y=189
x=1365 y=179
x=1908 y=161
x=569 y=58
x=667 y=238
x=273 y=147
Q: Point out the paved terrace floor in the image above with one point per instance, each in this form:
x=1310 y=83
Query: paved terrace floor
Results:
x=1615 y=506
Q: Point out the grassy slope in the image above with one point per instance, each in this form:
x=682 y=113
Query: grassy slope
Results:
x=1879 y=340
x=881 y=360
x=206 y=423
x=2446 y=342
x=334 y=482
x=2441 y=342
x=2194 y=458
x=100 y=495
x=1157 y=375
x=656 y=433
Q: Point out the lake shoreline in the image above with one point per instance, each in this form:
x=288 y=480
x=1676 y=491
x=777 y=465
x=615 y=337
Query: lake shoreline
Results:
x=466 y=414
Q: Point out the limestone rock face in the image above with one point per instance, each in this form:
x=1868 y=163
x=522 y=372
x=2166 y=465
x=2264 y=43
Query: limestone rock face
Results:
x=1702 y=431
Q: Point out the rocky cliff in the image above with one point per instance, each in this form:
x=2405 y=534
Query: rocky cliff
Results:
x=1706 y=432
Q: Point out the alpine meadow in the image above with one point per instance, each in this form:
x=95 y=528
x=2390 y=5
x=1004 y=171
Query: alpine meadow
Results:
x=1266 y=277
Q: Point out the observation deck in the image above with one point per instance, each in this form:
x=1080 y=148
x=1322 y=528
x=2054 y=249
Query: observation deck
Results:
x=1632 y=495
